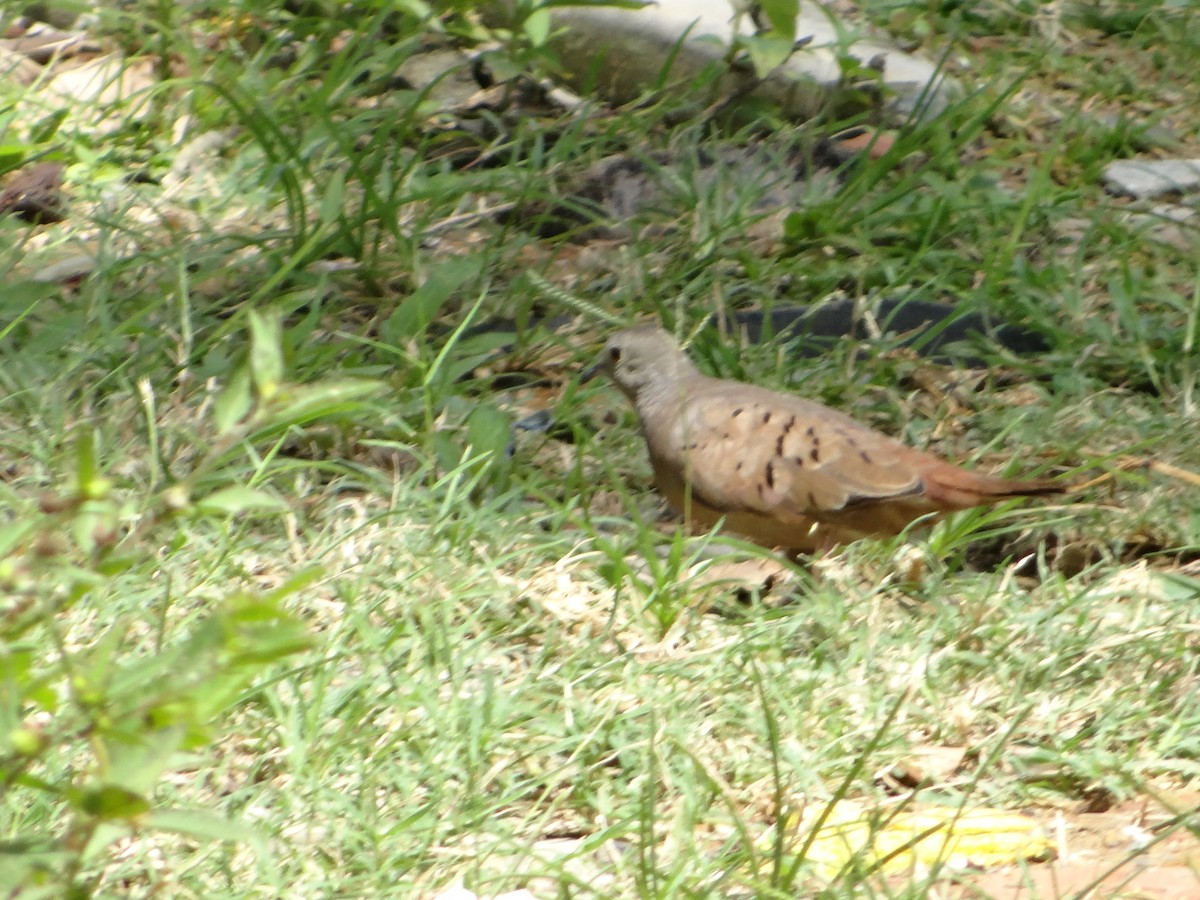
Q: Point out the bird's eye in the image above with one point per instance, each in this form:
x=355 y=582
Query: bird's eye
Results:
x=614 y=354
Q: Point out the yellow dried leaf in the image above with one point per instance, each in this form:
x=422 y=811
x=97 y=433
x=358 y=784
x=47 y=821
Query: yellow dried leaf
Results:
x=919 y=840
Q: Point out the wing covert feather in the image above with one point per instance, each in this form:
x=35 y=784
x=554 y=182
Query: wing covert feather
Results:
x=747 y=448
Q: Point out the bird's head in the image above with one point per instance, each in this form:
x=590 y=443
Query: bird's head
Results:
x=640 y=357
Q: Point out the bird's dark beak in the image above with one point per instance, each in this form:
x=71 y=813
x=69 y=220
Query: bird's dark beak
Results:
x=599 y=367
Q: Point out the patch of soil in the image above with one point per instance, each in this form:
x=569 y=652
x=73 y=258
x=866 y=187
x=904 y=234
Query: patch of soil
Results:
x=1098 y=857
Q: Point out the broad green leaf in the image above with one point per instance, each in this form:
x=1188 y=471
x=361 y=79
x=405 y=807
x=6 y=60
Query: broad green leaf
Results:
x=137 y=759
x=333 y=201
x=14 y=533
x=15 y=663
x=19 y=299
x=472 y=352
x=200 y=824
x=266 y=352
x=22 y=741
x=108 y=801
x=24 y=863
x=615 y=4
x=781 y=14
x=262 y=631
x=222 y=693
x=768 y=52
x=115 y=565
x=42 y=693
x=252 y=608
x=489 y=431
x=447 y=449
x=95 y=522
x=38 y=784
x=415 y=8
x=537 y=26
x=418 y=309
x=298 y=404
x=257 y=643
x=87 y=475
x=239 y=500
x=268 y=645
x=169 y=715
x=297 y=582
x=234 y=402
x=45 y=128
x=12 y=155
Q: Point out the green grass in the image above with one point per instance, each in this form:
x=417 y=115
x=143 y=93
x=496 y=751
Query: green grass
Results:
x=281 y=615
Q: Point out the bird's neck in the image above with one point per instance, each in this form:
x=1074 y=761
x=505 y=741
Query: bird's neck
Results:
x=666 y=391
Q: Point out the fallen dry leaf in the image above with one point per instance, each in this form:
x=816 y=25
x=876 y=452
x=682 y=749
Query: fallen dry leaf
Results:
x=917 y=840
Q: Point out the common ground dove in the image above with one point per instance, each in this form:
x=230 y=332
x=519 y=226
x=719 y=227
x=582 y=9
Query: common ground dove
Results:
x=780 y=470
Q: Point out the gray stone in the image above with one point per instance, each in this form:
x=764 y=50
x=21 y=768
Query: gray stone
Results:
x=625 y=50
x=1152 y=177
x=1169 y=223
